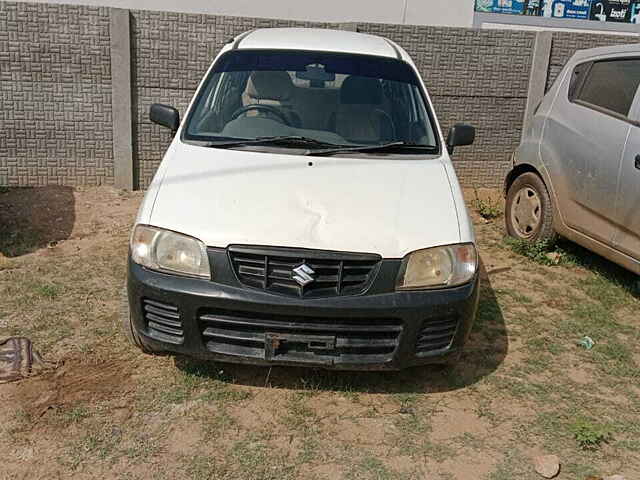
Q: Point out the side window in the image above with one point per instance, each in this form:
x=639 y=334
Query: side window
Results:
x=577 y=77
x=610 y=85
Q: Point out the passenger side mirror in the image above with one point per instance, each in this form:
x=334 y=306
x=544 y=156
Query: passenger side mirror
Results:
x=460 y=134
x=165 y=115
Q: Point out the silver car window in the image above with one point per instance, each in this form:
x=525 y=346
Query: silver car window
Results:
x=611 y=85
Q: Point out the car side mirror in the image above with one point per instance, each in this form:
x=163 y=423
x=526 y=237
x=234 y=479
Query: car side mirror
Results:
x=460 y=134
x=165 y=115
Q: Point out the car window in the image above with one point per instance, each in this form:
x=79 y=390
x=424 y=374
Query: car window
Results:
x=610 y=84
x=333 y=98
x=576 y=78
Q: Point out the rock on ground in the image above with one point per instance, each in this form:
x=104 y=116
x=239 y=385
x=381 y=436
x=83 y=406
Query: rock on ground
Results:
x=547 y=466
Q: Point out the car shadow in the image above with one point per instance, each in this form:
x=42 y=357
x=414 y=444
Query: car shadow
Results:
x=33 y=218
x=599 y=265
x=486 y=349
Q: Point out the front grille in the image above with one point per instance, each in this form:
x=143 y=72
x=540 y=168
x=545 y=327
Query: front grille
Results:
x=302 y=339
x=333 y=274
x=163 y=321
x=436 y=334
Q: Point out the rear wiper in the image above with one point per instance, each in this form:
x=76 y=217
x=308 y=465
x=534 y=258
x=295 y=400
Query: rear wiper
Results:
x=290 y=141
x=375 y=148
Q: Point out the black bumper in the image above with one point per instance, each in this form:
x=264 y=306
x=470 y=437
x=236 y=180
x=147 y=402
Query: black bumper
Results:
x=379 y=331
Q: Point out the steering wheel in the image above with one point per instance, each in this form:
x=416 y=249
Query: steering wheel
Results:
x=264 y=108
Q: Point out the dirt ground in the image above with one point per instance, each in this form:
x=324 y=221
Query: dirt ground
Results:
x=103 y=410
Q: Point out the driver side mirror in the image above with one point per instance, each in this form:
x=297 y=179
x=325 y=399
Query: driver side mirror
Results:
x=460 y=134
x=165 y=115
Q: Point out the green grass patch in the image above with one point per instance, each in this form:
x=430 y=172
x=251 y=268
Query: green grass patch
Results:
x=50 y=291
x=489 y=312
x=202 y=467
x=300 y=416
x=611 y=293
x=255 y=460
x=372 y=468
x=590 y=435
x=99 y=442
x=487 y=208
x=516 y=296
x=538 y=252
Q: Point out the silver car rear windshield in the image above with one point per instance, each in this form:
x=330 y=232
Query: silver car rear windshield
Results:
x=336 y=99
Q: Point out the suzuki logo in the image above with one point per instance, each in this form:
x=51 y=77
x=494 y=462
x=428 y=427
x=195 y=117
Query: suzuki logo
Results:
x=303 y=275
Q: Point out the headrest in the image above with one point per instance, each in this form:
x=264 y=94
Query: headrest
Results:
x=270 y=85
x=361 y=91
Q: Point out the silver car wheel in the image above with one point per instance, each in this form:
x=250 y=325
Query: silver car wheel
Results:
x=526 y=212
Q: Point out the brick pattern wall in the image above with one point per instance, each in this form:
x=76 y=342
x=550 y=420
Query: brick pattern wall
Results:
x=171 y=53
x=55 y=95
x=479 y=77
x=566 y=44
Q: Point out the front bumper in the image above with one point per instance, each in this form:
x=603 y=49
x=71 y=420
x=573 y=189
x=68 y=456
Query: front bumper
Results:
x=379 y=331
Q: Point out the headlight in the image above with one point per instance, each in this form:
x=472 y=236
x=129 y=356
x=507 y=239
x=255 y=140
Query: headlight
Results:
x=170 y=252
x=438 y=267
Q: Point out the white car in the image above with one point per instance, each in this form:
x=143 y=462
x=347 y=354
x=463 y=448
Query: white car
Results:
x=306 y=213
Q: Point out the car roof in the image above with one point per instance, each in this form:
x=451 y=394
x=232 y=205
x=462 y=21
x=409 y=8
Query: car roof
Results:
x=319 y=39
x=605 y=51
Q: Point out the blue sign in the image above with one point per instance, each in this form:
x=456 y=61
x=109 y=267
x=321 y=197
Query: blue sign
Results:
x=627 y=11
x=515 y=7
x=566 y=9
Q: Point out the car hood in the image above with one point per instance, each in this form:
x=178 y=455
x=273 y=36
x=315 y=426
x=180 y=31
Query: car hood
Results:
x=370 y=205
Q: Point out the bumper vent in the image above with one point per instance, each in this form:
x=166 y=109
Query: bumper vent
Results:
x=300 y=339
x=436 y=335
x=328 y=274
x=163 y=321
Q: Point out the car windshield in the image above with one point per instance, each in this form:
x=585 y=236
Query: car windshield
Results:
x=325 y=99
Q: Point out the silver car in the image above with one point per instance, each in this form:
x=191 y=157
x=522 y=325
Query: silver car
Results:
x=577 y=170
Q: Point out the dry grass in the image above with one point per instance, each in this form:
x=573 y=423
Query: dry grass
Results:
x=523 y=388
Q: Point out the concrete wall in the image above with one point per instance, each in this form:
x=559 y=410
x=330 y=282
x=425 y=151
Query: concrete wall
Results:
x=428 y=12
x=55 y=95
x=59 y=125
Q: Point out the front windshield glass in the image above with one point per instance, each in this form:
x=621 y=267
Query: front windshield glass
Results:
x=336 y=99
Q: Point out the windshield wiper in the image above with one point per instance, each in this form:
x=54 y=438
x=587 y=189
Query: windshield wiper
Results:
x=288 y=141
x=375 y=148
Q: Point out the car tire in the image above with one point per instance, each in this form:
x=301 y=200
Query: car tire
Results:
x=529 y=211
x=128 y=330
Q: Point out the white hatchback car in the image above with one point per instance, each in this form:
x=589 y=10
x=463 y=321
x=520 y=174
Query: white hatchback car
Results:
x=306 y=213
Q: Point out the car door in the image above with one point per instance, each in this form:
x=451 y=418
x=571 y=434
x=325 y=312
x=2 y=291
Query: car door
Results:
x=627 y=239
x=582 y=146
